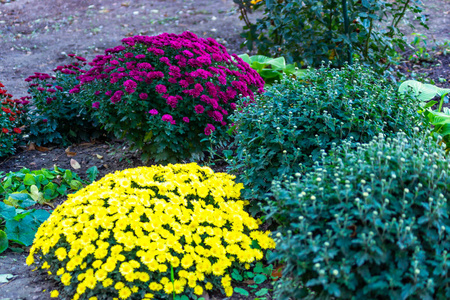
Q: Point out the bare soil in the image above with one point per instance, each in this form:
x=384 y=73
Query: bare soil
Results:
x=36 y=35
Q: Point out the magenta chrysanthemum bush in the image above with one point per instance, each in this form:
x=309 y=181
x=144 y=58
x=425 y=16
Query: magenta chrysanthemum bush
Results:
x=167 y=93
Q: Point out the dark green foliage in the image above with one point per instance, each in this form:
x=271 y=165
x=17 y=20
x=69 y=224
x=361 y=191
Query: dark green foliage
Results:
x=309 y=32
x=370 y=223
x=293 y=120
x=58 y=116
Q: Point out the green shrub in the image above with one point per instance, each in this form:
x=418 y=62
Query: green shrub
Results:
x=294 y=120
x=370 y=223
x=58 y=117
x=167 y=93
x=306 y=31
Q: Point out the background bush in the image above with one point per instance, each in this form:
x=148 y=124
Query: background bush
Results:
x=309 y=32
x=167 y=93
x=57 y=116
x=12 y=113
x=370 y=223
x=294 y=120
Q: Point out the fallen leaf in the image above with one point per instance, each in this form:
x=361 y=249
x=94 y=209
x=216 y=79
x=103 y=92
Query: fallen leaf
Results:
x=42 y=149
x=86 y=144
x=104 y=11
x=31 y=146
x=32 y=163
x=49 y=204
x=277 y=272
x=70 y=153
x=126 y=4
x=106 y=166
x=249 y=281
x=74 y=164
x=99 y=156
x=6 y=277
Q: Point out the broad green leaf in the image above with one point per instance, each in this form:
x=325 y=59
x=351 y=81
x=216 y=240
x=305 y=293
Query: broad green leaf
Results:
x=260 y=278
x=438 y=118
x=7 y=212
x=4 y=278
x=277 y=63
x=148 y=136
x=246 y=58
x=3 y=241
x=68 y=175
x=39 y=216
x=269 y=73
x=7 y=183
x=241 y=291
x=29 y=180
x=423 y=92
x=19 y=199
x=62 y=189
x=21 y=215
x=92 y=173
x=20 y=231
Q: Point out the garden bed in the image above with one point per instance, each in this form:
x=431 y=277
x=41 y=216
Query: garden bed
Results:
x=36 y=35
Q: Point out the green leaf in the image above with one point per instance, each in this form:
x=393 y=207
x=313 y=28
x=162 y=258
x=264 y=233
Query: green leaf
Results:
x=241 y=291
x=20 y=232
x=39 y=216
x=246 y=58
x=20 y=216
x=260 y=278
x=423 y=92
x=36 y=194
x=3 y=241
x=75 y=185
x=29 y=180
x=7 y=183
x=7 y=212
x=262 y=292
x=92 y=173
x=23 y=200
x=68 y=175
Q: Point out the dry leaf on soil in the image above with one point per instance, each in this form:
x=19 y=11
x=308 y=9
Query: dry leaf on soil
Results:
x=70 y=153
x=75 y=164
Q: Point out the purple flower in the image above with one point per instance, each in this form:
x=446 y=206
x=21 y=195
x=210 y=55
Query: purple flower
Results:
x=199 y=109
x=51 y=91
x=172 y=101
x=217 y=116
x=143 y=96
x=74 y=91
x=116 y=97
x=108 y=93
x=167 y=118
x=49 y=100
x=97 y=93
x=80 y=58
x=209 y=129
x=96 y=105
x=186 y=119
x=114 y=62
x=129 y=55
x=161 y=89
x=233 y=106
x=59 y=88
x=130 y=86
x=188 y=53
x=153 y=112
x=140 y=56
x=165 y=60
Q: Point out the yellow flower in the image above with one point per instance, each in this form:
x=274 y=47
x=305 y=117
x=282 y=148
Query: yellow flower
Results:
x=198 y=290
x=208 y=286
x=124 y=293
x=54 y=294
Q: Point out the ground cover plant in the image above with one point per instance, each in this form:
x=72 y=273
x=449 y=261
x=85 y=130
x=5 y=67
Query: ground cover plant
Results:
x=294 y=120
x=312 y=32
x=440 y=117
x=150 y=232
x=11 y=121
x=57 y=117
x=21 y=191
x=368 y=223
x=167 y=93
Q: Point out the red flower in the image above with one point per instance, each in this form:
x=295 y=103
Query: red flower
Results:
x=17 y=130
x=4 y=130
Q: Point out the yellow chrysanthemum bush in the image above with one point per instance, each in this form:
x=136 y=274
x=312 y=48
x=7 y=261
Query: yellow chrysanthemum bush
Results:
x=150 y=232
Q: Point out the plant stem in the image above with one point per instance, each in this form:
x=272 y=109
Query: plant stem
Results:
x=346 y=26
